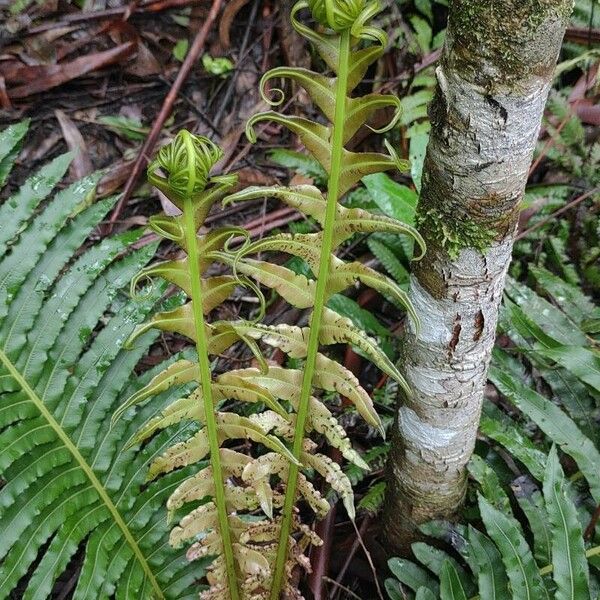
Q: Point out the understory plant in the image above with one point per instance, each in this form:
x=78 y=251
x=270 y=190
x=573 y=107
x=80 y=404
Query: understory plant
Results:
x=531 y=527
x=243 y=508
x=71 y=491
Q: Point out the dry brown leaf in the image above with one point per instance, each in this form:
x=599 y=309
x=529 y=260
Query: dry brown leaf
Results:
x=116 y=175
x=231 y=10
x=81 y=165
x=44 y=77
x=144 y=63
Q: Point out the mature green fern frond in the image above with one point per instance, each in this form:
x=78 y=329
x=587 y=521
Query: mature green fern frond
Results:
x=69 y=483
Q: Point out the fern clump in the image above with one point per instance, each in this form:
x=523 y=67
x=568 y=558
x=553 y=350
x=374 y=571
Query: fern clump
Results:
x=255 y=556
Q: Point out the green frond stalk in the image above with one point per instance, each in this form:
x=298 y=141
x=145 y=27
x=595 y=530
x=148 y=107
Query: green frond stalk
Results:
x=333 y=186
x=207 y=398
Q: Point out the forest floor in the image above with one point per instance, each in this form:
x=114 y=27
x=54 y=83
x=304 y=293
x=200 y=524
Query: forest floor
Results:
x=93 y=79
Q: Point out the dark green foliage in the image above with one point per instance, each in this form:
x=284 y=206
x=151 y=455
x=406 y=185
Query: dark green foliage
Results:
x=70 y=483
x=527 y=541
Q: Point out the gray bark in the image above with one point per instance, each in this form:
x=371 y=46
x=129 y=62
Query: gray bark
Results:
x=493 y=81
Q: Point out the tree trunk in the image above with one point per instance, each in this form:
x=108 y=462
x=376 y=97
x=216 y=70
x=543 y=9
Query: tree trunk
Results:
x=493 y=81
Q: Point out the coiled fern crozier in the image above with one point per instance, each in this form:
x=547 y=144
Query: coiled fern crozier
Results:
x=255 y=555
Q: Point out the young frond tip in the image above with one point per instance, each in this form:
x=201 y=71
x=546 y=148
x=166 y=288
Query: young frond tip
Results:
x=344 y=15
x=186 y=163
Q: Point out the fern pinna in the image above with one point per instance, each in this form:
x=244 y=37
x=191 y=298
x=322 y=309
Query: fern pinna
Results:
x=71 y=493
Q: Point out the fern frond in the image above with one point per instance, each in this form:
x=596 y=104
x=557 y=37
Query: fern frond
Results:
x=70 y=484
x=339 y=45
x=229 y=485
x=287 y=403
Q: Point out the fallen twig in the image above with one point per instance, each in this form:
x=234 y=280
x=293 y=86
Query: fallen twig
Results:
x=557 y=213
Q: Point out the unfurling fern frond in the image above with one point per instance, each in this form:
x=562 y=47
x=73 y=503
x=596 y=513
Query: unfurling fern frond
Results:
x=70 y=486
x=348 y=45
x=217 y=496
x=255 y=557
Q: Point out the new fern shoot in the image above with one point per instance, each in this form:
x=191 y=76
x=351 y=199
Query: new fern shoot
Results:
x=243 y=508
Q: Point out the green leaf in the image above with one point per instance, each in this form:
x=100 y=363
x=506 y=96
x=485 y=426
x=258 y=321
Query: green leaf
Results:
x=552 y=193
x=540 y=314
x=490 y=484
x=423 y=32
x=412 y=575
x=180 y=49
x=415 y=106
x=523 y=573
x=372 y=501
x=17 y=209
x=389 y=260
x=130 y=128
x=435 y=559
x=425 y=7
x=361 y=317
x=301 y=163
x=548 y=417
x=568 y=552
x=491 y=576
x=10 y=145
x=575 y=397
x=220 y=66
x=583 y=363
x=345 y=274
x=570 y=298
x=393 y=199
x=393 y=589
x=450 y=585
x=532 y=504
x=424 y=593
x=497 y=426
x=69 y=483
